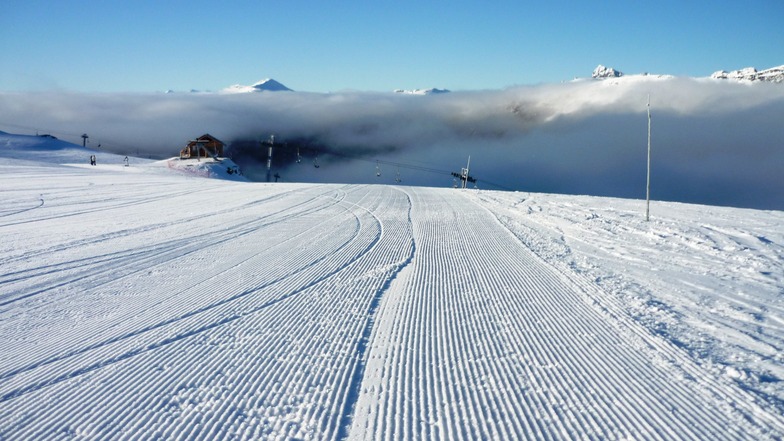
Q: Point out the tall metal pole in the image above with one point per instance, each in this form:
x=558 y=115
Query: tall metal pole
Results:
x=269 y=158
x=648 y=180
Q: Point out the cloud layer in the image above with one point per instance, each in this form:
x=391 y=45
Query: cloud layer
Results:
x=713 y=141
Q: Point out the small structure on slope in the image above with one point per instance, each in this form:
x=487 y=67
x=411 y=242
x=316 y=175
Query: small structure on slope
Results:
x=204 y=157
x=205 y=146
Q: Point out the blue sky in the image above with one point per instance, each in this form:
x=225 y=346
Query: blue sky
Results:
x=148 y=46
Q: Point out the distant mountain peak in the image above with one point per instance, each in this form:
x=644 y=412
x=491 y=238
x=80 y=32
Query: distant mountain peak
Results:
x=606 y=72
x=265 y=85
x=774 y=74
x=271 y=85
x=431 y=91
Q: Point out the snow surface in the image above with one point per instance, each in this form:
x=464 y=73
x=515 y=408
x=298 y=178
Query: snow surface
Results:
x=145 y=303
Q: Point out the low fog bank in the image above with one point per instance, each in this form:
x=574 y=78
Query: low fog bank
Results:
x=713 y=142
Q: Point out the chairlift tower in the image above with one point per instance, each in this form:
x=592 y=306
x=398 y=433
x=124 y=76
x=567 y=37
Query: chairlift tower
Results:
x=84 y=140
x=464 y=172
x=464 y=177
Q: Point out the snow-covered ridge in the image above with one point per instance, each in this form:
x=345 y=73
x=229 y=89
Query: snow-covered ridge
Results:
x=431 y=91
x=611 y=76
x=608 y=74
x=47 y=149
x=265 y=85
x=774 y=74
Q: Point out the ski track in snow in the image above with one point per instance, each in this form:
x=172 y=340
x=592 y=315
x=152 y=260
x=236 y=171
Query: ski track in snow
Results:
x=147 y=306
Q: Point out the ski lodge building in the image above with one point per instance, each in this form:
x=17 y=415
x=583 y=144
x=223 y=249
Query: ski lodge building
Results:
x=205 y=146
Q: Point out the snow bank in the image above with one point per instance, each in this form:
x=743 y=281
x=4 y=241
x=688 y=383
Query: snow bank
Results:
x=222 y=168
x=19 y=149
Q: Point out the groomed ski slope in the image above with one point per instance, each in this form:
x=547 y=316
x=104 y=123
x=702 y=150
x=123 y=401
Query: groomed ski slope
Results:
x=143 y=304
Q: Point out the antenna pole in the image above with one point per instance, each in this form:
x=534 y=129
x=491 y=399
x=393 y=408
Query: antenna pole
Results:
x=648 y=179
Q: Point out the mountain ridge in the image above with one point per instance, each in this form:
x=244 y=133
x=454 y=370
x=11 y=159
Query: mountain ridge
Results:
x=748 y=74
x=773 y=74
x=601 y=72
x=265 y=85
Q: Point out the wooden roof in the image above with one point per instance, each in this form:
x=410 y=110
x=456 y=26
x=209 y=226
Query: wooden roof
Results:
x=206 y=139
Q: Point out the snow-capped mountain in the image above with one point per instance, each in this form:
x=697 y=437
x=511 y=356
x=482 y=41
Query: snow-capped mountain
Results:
x=774 y=74
x=614 y=76
x=265 y=85
x=606 y=72
x=431 y=91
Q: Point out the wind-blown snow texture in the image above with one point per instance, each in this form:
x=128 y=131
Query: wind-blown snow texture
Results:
x=141 y=303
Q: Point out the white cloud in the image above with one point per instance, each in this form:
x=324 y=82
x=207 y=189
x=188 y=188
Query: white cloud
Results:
x=578 y=137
